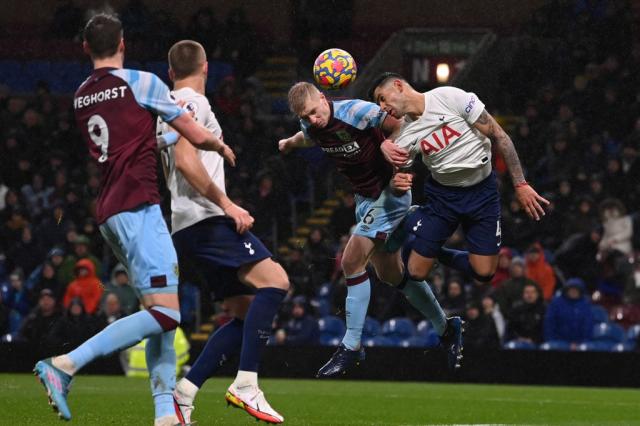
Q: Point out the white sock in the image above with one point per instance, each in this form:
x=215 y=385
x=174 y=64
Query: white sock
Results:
x=246 y=378
x=186 y=389
x=64 y=363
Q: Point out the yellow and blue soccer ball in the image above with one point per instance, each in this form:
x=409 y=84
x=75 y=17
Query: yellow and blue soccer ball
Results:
x=334 y=69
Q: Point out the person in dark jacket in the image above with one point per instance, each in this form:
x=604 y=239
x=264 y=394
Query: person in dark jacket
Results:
x=301 y=329
x=511 y=290
x=38 y=325
x=73 y=328
x=526 y=318
x=480 y=329
x=569 y=315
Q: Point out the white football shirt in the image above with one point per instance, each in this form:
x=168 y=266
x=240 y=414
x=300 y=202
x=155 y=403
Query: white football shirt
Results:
x=455 y=152
x=187 y=205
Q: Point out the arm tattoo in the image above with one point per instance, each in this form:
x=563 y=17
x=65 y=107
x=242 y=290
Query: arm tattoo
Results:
x=505 y=146
x=484 y=118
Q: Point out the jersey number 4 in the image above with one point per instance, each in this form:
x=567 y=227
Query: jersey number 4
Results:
x=99 y=134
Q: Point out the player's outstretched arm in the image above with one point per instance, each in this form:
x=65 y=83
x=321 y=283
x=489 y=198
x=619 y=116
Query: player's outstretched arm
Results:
x=189 y=164
x=528 y=198
x=296 y=141
x=201 y=138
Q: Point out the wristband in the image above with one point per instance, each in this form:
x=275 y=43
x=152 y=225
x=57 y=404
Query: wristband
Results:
x=521 y=184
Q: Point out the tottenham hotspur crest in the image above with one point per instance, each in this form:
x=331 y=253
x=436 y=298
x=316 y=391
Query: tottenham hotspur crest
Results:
x=248 y=246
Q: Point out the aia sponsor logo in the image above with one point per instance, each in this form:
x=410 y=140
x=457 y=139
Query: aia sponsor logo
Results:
x=438 y=140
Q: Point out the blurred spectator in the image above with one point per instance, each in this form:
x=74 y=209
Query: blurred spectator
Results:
x=576 y=257
x=15 y=295
x=480 y=330
x=337 y=274
x=491 y=310
x=111 y=310
x=67 y=20
x=344 y=216
x=205 y=29
x=511 y=289
x=318 y=255
x=539 y=270
x=617 y=225
x=301 y=329
x=4 y=316
x=120 y=286
x=502 y=271
x=454 y=301
x=569 y=316
x=299 y=273
x=26 y=253
x=86 y=286
x=73 y=328
x=527 y=315
x=81 y=245
x=39 y=324
x=44 y=277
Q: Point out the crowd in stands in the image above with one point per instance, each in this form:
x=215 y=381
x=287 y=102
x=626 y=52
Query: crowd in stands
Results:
x=566 y=282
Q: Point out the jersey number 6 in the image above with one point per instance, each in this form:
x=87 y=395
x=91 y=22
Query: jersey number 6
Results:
x=368 y=218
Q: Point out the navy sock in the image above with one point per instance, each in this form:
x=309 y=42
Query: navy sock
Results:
x=222 y=345
x=455 y=259
x=257 y=326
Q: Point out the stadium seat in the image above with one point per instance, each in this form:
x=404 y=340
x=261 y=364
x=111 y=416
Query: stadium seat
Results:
x=624 y=347
x=608 y=332
x=555 y=345
x=398 y=329
x=331 y=329
x=423 y=328
x=427 y=340
x=371 y=328
x=633 y=333
x=596 y=345
x=380 y=341
x=520 y=345
x=599 y=314
x=322 y=306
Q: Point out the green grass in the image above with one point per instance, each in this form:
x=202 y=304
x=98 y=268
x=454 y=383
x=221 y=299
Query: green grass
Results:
x=98 y=400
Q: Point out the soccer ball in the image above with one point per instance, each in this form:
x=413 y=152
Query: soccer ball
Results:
x=334 y=69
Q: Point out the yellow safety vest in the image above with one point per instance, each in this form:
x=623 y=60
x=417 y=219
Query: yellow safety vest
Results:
x=137 y=365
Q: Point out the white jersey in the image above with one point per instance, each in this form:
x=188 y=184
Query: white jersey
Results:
x=455 y=152
x=187 y=205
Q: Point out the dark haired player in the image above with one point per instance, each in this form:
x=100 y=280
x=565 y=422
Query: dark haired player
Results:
x=350 y=132
x=116 y=112
x=452 y=132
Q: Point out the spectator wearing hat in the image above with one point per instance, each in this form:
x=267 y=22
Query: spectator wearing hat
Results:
x=527 y=315
x=81 y=246
x=73 y=328
x=86 y=286
x=38 y=325
x=568 y=316
x=301 y=329
x=119 y=285
x=511 y=289
x=480 y=329
x=540 y=271
x=502 y=271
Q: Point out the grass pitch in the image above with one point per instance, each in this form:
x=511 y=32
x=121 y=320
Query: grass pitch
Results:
x=101 y=400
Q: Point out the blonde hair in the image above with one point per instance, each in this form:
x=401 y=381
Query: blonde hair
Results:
x=298 y=95
x=186 y=57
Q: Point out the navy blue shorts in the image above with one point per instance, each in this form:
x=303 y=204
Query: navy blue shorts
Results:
x=212 y=250
x=476 y=208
